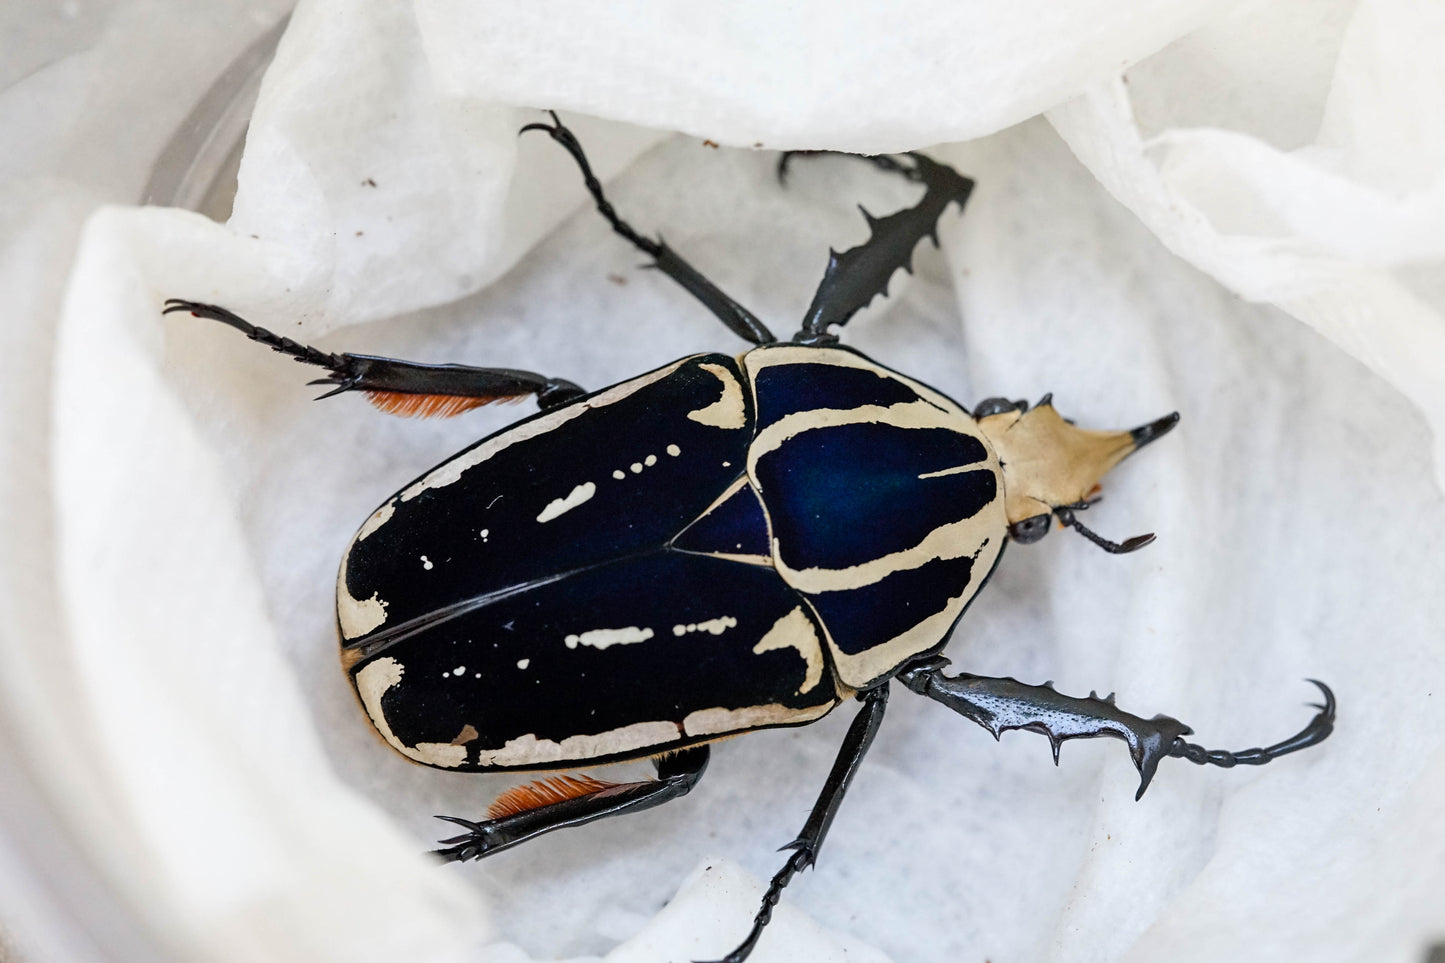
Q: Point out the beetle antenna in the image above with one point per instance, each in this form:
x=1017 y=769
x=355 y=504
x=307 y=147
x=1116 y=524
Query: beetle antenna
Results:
x=1065 y=514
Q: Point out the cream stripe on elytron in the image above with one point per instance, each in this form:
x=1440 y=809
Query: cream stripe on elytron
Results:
x=373 y=681
x=729 y=492
x=795 y=631
x=864 y=667
x=904 y=414
x=719 y=722
x=759 y=358
x=356 y=616
x=953 y=540
x=728 y=411
x=947 y=541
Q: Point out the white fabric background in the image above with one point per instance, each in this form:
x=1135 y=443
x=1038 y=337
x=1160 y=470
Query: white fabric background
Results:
x=1246 y=225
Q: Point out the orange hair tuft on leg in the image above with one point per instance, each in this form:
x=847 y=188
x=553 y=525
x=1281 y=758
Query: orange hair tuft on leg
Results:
x=433 y=406
x=544 y=792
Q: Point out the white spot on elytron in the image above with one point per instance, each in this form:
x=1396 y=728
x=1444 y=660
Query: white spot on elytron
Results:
x=795 y=631
x=485 y=533
x=637 y=468
x=650 y=460
x=673 y=450
x=727 y=464
x=523 y=663
x=557 y=506
x=477 y=676
x=715 y=626
x=372 y=682
x=728 y=411
x=619 y=474
x=459 y=671
x=426 y=563
x=602 y=638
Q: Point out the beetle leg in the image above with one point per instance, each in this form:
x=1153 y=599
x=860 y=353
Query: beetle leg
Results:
x=676 y=774
x=1002 y=704
x=740 y=320
x=401 y=387
x=855 y=277
x=805 y=847
x=1319 y=729
x=883 y=162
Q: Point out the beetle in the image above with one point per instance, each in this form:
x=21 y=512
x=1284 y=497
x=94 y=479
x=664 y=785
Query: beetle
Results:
x=720 y=545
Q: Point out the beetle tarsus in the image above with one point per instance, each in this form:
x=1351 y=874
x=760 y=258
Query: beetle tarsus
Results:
x=301 y=352
x=1316 y=731
x=807 y=843
x=800 y=860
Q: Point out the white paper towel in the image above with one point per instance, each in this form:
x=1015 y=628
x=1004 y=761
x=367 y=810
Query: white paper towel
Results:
x=175 y=505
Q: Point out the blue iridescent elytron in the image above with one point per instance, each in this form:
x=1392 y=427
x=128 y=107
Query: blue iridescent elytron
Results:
x=720 y=545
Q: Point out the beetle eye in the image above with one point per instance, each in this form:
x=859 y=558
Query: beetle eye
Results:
x=994 y=406
x=1030 y=529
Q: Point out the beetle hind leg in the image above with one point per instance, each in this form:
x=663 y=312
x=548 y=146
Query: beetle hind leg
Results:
x=805 y=847
x=540 y=807
x=1002 y=704
x=400 y=387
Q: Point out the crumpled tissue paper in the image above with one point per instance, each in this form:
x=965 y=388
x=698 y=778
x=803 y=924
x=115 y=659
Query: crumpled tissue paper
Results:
x=1231 y=211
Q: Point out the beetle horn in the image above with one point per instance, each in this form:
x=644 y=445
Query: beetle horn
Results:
x=1140 y=437
x=1158 y=428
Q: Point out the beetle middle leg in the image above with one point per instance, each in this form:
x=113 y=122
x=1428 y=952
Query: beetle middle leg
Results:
x=401 y=387
x=740 y=320
x=805 y=847
x=677 y=773
x=855 y=277
x=1002 y=704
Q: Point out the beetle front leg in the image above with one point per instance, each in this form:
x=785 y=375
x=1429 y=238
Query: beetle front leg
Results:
x=1002 y=704
x=677 y=773
x=400 y=387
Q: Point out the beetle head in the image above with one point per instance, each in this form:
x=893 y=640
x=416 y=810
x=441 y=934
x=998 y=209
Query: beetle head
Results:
x=1052 y=469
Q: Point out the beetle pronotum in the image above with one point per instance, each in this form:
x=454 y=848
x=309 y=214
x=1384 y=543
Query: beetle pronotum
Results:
x=732 y=597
